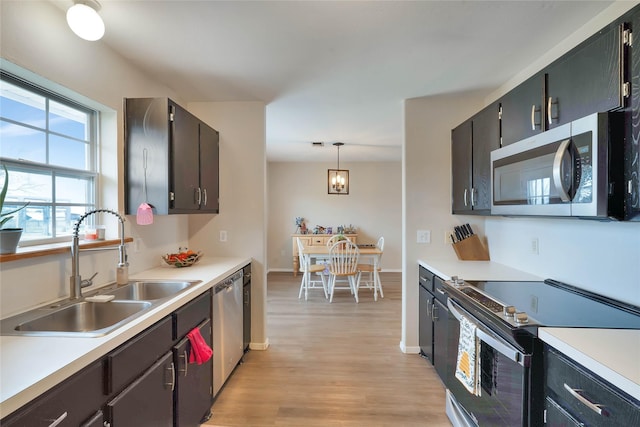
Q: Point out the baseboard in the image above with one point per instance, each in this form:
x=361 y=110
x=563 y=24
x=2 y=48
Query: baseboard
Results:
x=409 y=350
x=259 y=345
x=289 y=270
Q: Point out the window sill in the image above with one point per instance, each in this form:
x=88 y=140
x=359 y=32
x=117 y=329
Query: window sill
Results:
x=56 y=248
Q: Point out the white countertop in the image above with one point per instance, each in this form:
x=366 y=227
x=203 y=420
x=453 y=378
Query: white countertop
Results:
x=610 y=353
x=476 y=270
x=31 y=365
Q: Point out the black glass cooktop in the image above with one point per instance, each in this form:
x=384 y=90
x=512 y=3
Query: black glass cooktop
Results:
x=556 y=304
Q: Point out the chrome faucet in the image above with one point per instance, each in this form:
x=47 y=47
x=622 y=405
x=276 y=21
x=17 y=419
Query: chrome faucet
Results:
x=122 y=274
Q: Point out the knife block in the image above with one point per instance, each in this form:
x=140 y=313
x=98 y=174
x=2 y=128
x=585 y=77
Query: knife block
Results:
x=471 y=249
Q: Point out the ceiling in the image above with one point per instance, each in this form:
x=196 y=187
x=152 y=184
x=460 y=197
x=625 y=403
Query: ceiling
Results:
x=335 y=70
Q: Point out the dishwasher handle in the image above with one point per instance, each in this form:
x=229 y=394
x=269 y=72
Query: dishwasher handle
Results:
x=228 y=282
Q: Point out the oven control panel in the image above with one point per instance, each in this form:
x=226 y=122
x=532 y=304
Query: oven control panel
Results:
x=483 y=300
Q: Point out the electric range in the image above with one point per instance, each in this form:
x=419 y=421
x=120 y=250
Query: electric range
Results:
x=507 y=316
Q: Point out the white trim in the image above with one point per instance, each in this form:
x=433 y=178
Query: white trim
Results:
x=409 y=350
x=259 y=345
x=289 y=270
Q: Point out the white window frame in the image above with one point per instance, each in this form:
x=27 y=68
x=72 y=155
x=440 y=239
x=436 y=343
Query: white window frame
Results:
x=90 y=174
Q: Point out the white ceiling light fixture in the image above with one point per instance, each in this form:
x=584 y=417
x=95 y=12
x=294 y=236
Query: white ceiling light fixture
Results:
x=84 y=20
x=338 y=178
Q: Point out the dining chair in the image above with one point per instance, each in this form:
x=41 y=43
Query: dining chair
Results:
x=332 y=241
x=343 y=257
x=306 y=268
x=367 y=269
x=336 y=238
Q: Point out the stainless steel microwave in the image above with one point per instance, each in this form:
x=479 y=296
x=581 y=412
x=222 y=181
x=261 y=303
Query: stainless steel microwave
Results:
x=572 y=170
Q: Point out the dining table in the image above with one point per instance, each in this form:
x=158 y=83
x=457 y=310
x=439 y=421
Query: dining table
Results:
x=370 y=252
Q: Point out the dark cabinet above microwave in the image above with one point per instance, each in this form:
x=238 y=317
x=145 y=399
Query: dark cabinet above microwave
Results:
x=171 y=158
x=588 y=79
x=523 y=110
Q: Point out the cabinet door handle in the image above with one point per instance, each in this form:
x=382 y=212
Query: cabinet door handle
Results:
x=465 y=197
x=198 y=196
x=186 y=363
x=205 y=196
x=58 y=420
x=429 y=308
x=473 y=199
x=173 y=377
x=434 y=313
x=575 y=392
x=535 y=123
x=550 y=115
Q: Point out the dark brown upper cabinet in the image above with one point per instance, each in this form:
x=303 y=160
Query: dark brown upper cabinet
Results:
x=471 y=146
x=588 y=79
x=632 y=116
x=523 y=110
x=171 y=158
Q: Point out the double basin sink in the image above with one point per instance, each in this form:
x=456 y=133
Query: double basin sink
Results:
x=87 y=318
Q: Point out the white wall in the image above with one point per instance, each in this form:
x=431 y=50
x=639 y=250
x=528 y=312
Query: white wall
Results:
x=242 y=198
x=34 y=36
x=373 y=205
x=603 y=257
x=427 y=191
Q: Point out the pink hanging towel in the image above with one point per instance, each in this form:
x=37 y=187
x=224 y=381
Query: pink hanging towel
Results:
x=200 y=350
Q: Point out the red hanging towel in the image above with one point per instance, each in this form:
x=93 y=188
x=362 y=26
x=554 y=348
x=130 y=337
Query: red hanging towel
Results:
x=200 y=350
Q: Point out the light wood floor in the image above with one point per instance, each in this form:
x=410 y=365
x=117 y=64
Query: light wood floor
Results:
x=335 y=364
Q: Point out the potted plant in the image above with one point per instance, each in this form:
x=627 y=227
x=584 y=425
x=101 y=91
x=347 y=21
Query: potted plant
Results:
x=9 y=237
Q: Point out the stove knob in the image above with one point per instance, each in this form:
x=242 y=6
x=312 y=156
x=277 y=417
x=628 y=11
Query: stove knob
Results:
x=509 y=311
x=522 y=317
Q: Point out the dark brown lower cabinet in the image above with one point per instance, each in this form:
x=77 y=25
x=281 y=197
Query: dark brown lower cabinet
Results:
x=557 y=416
x=67 y=405
x=577 y=396
x=147 y=381
x=95 y=421
x=440 y=336
x=148 y=401
x=193 y=393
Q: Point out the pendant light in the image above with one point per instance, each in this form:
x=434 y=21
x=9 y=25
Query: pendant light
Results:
x=338 y=182
x=84 y=20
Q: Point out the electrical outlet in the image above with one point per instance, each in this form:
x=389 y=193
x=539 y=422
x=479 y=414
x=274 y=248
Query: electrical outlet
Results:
x=223 y=236
x=137 y=245
x=535 y=246
x=423 y=236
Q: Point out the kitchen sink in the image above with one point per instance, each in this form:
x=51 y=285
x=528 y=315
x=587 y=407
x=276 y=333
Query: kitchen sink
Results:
x=85 y=318
x=149 y=290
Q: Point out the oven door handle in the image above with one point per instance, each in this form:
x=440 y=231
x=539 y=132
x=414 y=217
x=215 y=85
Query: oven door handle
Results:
x=496 y=343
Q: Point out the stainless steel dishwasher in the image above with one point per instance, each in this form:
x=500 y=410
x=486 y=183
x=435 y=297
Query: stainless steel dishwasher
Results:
x=228 y=328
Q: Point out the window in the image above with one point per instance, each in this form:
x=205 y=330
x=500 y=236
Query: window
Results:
x=538 y=191
x=48 y=144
